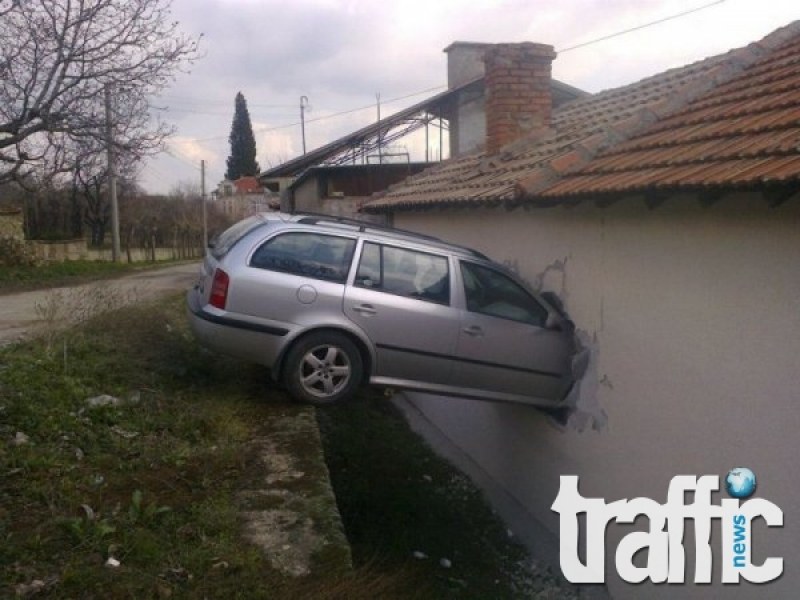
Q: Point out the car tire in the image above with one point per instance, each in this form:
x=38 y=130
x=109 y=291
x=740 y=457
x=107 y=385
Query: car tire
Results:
x=323 y=368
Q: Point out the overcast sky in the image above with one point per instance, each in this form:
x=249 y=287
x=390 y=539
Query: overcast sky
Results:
x=340 y=53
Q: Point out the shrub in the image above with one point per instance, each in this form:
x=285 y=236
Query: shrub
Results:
x=16 y=253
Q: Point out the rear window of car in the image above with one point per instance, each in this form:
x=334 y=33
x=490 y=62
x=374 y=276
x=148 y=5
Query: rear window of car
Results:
x=222 y=244
x=313 y=255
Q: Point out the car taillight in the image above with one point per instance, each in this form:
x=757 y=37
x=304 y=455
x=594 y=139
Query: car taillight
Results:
x=219 y=289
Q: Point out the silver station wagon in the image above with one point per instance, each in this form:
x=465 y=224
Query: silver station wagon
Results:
x=330 y=304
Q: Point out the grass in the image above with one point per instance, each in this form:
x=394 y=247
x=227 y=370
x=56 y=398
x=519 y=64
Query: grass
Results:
x=151 y=482
x=73 y=272
x=164 y=480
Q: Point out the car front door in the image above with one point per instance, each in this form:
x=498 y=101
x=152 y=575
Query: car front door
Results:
x=401 y=299
x=503 y=345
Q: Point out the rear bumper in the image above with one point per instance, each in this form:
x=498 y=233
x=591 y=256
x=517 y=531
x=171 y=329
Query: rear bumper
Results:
x=253 y=342
x=204 y=315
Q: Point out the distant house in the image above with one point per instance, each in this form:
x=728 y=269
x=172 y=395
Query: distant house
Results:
x=244 y=196
x=666 y=214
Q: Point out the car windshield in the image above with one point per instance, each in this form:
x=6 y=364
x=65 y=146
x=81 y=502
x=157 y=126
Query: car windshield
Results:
x=228 y=238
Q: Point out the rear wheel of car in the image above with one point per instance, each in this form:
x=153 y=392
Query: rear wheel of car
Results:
x=323 y=368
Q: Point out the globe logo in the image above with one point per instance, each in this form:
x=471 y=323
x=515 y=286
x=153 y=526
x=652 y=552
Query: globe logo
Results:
x=740 y=482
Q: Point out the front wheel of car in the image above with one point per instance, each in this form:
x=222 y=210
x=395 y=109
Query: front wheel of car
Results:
x=323 y=368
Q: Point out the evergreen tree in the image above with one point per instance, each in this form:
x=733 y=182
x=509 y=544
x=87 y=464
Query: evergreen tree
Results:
x=242 y=160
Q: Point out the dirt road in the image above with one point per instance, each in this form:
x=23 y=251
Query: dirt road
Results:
x=19 y=316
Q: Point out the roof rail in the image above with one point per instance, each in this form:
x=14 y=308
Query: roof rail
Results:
x=363 y=226
x=313 y=219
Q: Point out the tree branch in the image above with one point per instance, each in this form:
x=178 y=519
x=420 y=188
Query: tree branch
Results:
x=55 y=58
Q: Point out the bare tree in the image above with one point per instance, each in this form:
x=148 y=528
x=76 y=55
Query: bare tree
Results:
x=168 y=221
x=56 y=59
x=7 y=5
x=277 y=159
x=185 y=189
x=90 y=184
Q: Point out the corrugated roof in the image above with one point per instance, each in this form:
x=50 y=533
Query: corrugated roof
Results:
x=296 y=166
x=729 y=120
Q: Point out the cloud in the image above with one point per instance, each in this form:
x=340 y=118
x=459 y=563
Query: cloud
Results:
x=189 y=149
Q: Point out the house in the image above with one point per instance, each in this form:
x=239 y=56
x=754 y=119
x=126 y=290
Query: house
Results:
x=243 y=197
x=666 y=214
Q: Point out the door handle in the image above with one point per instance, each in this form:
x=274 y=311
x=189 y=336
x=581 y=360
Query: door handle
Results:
x=473 y=330
x=365 y=309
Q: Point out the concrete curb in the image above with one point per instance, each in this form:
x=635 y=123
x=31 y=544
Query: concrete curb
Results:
x=290 y=511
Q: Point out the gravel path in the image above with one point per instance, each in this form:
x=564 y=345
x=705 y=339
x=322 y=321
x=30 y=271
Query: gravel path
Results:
x=18 y=314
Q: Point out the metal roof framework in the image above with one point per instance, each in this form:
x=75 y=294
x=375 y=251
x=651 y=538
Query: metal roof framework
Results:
x=368 y=142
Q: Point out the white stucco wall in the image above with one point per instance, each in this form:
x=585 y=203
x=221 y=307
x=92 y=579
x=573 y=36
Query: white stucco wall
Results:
x=697 y=317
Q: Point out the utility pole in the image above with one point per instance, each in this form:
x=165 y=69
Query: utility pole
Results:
x=380 y=157
x=427 y=143
x=441 y=128
x=203 y=200
x=112 y=178
x=303 y=105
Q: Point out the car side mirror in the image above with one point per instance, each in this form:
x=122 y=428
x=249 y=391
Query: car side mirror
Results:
x=553 y=322
x=556 y=322
x=553 y=300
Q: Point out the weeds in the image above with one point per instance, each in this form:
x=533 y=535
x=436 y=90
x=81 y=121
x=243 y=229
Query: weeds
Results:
x=16 y=253
x=71 y=306
x=88 y=531
x=139 y=513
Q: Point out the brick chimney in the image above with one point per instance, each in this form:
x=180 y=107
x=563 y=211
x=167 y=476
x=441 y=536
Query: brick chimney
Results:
x=518 y=96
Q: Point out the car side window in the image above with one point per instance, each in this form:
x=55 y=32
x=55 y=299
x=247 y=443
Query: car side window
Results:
x=490 y=292
x=404 y=272
x=313 y=255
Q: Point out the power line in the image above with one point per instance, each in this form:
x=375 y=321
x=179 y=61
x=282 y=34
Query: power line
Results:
x=170 y=109
x=190 y=100
x=176 y=155
x=638 y=27
x=331 y=116
x=151 y=167
x=173 y=154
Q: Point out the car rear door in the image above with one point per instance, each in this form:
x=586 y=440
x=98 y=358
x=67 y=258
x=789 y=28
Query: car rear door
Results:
x=503 y=344
x=294 y=278
x=401 y=298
